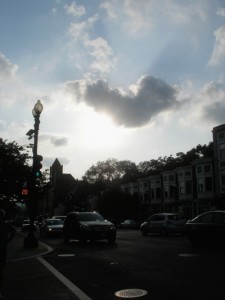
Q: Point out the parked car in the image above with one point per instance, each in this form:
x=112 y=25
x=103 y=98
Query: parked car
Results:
x=59 y=217
x=164 y=223
x=25 y=225
x=85 y=226
x=129 y=224
x=50 y=227
x=207 y=228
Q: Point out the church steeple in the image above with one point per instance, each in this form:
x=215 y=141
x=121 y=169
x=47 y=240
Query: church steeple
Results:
x=56 y=170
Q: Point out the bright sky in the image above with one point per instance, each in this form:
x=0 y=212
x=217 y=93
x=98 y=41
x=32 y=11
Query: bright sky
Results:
x=125 y=79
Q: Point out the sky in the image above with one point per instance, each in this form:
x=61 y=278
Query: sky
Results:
x=125 y=79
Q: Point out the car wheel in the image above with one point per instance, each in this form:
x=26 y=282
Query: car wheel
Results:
x=112 y=239
x=163 y=232
x=66 y=238
x=144 y=231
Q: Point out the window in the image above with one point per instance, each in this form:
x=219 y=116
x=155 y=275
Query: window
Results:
x=208 y=184
x=223 y=178
x=199 y=169
x=172 y=191
x=158 y=193
x=181 y=174
x=145 y=184
x=222 y=150
x=221 y=135
x=166 y=192
x=188 y=186
x=207 y=168
x=157 y=218
x=153 y=193
x=200 y=185
x=219 y=218
x=181 y=188
x=165 y=177
x=206 y=218
x=171 y=177
x=188 y=173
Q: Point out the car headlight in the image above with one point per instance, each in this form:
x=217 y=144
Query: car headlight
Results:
x=112 y=228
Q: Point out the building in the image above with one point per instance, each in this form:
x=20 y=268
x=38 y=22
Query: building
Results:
x=188 y=190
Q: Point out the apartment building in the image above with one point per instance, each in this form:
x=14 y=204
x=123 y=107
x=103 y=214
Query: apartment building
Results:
x=188 y=190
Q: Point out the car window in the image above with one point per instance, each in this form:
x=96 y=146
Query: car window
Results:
x=157 y=218
x=53 y=222
x=206 y=218
x=89 y=217
x=219 y=218
x=174 y=217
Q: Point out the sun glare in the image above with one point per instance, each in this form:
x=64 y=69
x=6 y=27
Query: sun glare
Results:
x=98 y=131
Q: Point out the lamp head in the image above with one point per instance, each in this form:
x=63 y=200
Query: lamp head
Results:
x=38 y=107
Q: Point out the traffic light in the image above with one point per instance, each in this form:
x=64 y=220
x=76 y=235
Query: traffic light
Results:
x=37 y=166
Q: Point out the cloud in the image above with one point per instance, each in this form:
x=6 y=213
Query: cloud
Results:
x=7 y=69
x=221 y=12
x=218 y=55
x=110 y=9
x=102 y=54
x=75 y=10
x=130 y=109
x=214 y=94
x=59 y=141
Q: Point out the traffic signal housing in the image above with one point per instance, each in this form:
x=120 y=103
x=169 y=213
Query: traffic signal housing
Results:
x=37 y=166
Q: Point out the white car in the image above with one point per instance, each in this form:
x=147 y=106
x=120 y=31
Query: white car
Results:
x=164 y=223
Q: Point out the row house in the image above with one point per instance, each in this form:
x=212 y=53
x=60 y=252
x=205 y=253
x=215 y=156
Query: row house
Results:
x=188 y=190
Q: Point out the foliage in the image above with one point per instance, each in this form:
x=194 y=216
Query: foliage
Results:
x=154 y=166
x=117 y=206
x=111 y=170
x=14 y=169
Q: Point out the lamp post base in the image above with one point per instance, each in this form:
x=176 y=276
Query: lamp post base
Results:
x=30 y=241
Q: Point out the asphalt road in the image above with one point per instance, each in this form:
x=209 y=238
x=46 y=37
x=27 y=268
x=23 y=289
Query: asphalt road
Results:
x=165 y=267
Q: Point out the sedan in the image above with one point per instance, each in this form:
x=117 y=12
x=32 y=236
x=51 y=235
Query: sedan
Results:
x=84 y=226
x=51 y=227
x=207 y=228
x=129 y=224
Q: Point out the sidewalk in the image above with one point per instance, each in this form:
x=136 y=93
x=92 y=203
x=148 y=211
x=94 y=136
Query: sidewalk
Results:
x=25 y=277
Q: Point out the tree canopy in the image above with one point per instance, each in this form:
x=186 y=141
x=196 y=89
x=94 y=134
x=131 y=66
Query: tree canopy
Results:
x=14 y=168
x=112 y=170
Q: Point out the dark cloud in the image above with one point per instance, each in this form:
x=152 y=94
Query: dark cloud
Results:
x=215 y=112
x=132 y=110
x=59 y=141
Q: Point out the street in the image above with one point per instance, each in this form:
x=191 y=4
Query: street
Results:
x=165 y=267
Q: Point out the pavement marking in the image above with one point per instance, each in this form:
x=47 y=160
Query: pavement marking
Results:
x=66 y=255
x=131 y=293
x=188 y=254
x=71 y=286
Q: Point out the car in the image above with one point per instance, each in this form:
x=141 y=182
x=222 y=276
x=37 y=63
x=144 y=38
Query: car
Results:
x=207 y=228
x=51 y=227
x=84 y=226
x=129 y=224
x=164 y=223
x=25 y=225
x=59 y=217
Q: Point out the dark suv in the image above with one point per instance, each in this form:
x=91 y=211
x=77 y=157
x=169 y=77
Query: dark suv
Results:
x=85 y=226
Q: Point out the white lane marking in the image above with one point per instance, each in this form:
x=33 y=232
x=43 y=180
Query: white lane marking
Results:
x=72 y=287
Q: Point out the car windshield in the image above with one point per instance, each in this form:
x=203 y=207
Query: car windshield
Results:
x=174 y=217
x=53 y=222
x=89 y=217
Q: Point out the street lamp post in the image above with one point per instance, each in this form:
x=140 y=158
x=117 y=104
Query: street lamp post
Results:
x=31 y=241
